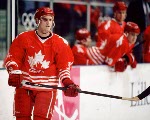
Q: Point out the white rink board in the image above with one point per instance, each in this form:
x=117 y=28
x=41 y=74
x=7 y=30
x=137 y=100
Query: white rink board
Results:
x=6 y=97
x=127 y=84
x=98 y=79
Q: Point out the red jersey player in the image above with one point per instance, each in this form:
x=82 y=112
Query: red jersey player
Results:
x=40 y=57
x=115 y=25
x=83 y=53
x=83 y=41
x=114 y=47
x=115 y=50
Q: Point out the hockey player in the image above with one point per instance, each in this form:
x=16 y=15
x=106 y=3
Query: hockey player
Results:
x=115 y=50
x=40 y=57
x=83 y=42
x=115 y=25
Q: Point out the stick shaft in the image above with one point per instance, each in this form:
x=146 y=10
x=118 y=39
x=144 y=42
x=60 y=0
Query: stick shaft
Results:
x=80 y=91
x=46 y=86
x=100 y=94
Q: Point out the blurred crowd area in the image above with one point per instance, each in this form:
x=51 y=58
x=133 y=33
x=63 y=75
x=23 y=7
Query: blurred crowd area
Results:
x=106 y=1
x=70 y=15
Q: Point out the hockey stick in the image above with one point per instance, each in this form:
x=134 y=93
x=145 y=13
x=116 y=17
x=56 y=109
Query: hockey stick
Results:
x=79 y=90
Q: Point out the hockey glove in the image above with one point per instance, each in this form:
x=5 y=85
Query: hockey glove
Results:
x=72 y=89
x=130 y=59
x=14 y=79
x=120 y=65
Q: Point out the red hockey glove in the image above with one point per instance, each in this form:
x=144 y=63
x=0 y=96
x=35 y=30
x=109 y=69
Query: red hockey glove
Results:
x=72 y=89
x=120 y=65
x=129 y=57
x=15 y=78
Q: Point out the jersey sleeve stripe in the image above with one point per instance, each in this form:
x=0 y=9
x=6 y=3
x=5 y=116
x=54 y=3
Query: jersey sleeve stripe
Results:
x=94 y=55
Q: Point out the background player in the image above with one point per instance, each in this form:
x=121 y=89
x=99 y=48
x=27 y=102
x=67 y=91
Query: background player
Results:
x=118 y=45
x=115 y=25
x=83 y=42
x=114 y=47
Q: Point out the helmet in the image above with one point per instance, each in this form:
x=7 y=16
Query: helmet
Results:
x=132 y=27
x=43 y=11
x=119 y=6
x=146 y=33
x=82 y=34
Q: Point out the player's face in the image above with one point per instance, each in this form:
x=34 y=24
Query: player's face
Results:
x=132 y=37
x=120 y=16
x=46 y=23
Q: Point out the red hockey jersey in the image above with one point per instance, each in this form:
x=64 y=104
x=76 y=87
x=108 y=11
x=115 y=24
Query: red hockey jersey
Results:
x=43 y=62
x=86 y=55
x=109 y=27
x=114 y=47
x=80 y=55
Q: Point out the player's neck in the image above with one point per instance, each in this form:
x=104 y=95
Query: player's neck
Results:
x=43 y=36
x=43 y=33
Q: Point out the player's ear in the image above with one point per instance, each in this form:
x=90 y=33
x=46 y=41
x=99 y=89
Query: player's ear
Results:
x=37 y=21
x=53 y=24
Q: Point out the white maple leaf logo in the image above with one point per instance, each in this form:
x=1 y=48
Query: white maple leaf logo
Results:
x=45 y=64
x=38 y=59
